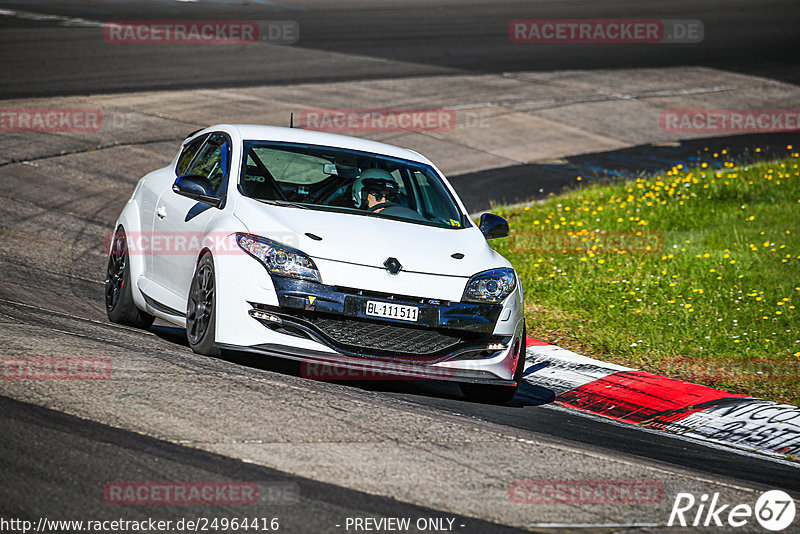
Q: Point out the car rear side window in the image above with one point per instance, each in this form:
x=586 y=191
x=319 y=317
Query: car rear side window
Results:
x=187 y=155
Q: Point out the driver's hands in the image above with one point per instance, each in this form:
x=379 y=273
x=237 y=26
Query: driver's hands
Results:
x=378 y=207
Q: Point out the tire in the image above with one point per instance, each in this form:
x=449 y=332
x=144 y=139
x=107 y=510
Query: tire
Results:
x=119 y=299
x=488 y=394
x=201 y=309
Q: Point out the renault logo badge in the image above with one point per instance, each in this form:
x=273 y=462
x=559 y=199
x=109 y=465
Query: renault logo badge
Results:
x=392 y=265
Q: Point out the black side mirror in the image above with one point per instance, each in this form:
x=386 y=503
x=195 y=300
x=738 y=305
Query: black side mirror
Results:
x=197 y=188
x=493 y=226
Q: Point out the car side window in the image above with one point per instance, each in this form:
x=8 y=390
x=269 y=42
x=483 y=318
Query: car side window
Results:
x=213 y=162
x=187 y=155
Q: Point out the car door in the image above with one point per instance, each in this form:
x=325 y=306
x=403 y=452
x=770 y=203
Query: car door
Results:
x=180 y=223
x=152 y=190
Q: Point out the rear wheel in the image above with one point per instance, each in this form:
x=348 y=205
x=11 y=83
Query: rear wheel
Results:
x=119 y=299
x=498 y=394
x=201 y=309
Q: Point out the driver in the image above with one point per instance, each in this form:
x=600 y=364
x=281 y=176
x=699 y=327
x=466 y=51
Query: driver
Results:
x=374 y=189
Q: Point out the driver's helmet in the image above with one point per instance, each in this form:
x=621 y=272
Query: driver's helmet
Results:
x=374 y=180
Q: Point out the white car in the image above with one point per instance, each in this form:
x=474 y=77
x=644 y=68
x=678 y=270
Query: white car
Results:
x=339 y=252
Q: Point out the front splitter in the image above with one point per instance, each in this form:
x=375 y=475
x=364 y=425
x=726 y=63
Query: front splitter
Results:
x=334 y=366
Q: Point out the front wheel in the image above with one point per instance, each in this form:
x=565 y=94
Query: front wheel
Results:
x=488 y=394
x=201 y=309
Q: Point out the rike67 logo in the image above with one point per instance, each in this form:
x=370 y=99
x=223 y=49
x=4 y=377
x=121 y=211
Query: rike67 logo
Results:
x=774 y=510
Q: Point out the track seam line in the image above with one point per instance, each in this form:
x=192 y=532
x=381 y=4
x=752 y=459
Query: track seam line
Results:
x=86 y=150
x=62 y=314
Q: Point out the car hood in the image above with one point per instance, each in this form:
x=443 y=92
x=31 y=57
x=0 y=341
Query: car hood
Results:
x=370 y=241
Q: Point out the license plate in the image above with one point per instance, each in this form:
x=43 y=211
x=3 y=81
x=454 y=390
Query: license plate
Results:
x=392 y=311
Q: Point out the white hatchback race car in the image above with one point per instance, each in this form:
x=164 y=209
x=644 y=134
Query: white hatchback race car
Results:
x=335 y=251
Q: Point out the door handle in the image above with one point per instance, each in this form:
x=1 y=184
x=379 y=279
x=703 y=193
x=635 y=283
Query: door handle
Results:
x=161 y=212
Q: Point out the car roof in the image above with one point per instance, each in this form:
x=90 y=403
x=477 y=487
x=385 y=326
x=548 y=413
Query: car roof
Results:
x=254 y=132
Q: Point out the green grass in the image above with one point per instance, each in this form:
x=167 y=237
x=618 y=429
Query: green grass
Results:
x=715 y=297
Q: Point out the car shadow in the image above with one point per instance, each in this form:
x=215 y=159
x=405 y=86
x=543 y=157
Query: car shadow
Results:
x=527 y=395
x=173 y=334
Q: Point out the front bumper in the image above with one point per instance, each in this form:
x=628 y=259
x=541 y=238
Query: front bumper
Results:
x=337 y=317
x=327 y=325
x=325 y=299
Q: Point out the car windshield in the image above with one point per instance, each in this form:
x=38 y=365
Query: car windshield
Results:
x=349 y=181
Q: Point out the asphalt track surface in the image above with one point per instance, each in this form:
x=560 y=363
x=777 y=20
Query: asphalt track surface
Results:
x=63 y=464
x=365 y=40
x=61 y=460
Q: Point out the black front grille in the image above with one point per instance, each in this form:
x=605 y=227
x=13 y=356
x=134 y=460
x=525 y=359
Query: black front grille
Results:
x=375 y=337
x=391 y=337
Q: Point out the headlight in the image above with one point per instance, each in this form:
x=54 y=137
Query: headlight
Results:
x=490 y=286
x=279 y=260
